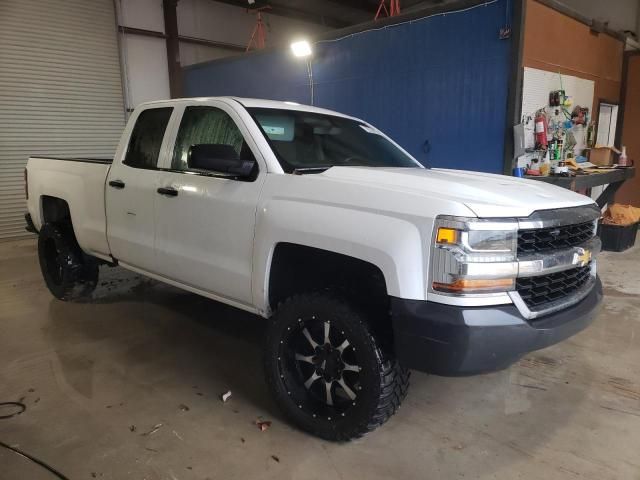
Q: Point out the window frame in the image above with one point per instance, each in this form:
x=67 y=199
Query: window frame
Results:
x=180 y=126
x=172 y=135
x=165 y=134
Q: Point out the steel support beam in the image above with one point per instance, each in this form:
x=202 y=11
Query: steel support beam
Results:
x=289 y=12
x=173 y=47
x=182 y=38
x=514 y=92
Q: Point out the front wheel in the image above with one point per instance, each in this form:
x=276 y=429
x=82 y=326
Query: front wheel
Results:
x=68 y=272
x=327 y=371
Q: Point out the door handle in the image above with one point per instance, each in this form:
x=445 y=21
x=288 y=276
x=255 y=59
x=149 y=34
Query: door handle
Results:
x=119 y=184
x=169 y=191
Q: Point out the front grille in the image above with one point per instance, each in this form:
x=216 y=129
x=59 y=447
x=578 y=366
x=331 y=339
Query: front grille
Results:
x=553 y=238
x=540 y=290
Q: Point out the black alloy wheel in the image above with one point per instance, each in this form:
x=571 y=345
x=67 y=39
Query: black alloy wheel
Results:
x=328 y=368
x=69 y=273
x=327 y=371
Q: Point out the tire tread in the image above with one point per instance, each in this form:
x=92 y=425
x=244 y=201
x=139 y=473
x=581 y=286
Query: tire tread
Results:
x=81 y=271
x=393 y=377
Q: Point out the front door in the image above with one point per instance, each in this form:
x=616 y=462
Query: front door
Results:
x=205 y=223
x=131 y=191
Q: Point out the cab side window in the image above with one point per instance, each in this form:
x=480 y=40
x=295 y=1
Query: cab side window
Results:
x=146 y=138
x=208 y=125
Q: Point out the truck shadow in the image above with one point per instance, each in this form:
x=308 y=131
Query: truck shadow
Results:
x=145 y=331
x=154 y=340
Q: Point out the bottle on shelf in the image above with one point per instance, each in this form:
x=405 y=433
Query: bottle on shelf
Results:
x=623 y=161
x=591 y=135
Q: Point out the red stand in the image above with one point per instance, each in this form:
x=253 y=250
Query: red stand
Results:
x=259 y=34
x=394 y=8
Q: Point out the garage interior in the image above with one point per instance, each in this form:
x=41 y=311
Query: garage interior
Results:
x=129 y=383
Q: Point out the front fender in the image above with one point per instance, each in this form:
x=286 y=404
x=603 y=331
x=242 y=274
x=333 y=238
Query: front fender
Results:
x=392 y=244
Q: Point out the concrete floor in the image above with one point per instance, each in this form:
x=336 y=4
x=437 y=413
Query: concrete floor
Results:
x=98 y=377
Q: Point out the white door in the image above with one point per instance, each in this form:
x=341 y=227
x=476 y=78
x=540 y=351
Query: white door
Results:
x=131 y=191
x=205 y=226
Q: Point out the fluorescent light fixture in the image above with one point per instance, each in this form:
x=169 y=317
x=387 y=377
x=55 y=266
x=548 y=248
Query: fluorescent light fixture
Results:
x=301 y=48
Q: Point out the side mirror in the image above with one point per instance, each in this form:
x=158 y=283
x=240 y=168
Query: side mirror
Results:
x=219 y=158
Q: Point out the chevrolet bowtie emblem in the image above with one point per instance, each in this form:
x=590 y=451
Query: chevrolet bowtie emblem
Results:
x=582 y=257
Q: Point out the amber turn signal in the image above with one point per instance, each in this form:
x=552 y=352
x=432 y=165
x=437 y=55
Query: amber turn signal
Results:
x=447 y=235
x=468 y=285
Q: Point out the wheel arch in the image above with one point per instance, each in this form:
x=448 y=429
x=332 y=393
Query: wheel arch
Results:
x=54 y=210
x=295 y=268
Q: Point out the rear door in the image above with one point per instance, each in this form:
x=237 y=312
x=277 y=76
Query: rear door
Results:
x=131 y=190
x=205 y=226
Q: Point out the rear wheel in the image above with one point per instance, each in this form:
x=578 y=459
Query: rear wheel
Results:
x=327 y=371
x=68 y=272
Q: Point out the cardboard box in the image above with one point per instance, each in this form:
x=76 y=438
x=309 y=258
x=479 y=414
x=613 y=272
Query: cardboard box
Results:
x=603 y=156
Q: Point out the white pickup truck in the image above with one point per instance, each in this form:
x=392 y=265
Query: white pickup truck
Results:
x=366 y=263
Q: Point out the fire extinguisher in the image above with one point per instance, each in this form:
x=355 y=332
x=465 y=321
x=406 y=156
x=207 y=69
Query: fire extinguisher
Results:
x=541 y=129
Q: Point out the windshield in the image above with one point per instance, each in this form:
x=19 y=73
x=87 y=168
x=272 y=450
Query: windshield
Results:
x=312 y=141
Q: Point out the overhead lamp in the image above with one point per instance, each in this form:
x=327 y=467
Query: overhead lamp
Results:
x=301 y=48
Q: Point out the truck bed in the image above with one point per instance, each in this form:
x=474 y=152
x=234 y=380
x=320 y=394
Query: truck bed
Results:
x=80 y=182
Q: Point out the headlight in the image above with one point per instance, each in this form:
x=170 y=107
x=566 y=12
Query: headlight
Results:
x=482 y=241
x=474 y=255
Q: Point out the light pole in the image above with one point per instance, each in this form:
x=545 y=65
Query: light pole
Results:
x=302 y=49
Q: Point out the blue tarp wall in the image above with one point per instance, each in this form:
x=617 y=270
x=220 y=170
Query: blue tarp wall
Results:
x=437 y=85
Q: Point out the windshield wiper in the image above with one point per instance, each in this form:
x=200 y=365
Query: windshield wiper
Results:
x=302 y=171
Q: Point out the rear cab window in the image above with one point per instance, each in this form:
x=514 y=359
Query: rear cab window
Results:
x=146 y=138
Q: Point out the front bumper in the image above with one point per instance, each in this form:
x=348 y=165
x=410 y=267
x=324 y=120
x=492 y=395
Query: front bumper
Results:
x=456 y=341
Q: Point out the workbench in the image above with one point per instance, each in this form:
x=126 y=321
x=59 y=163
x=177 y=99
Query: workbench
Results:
x=612 y=178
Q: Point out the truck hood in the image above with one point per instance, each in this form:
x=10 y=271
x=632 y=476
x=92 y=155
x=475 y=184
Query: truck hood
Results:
x=486 y=194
